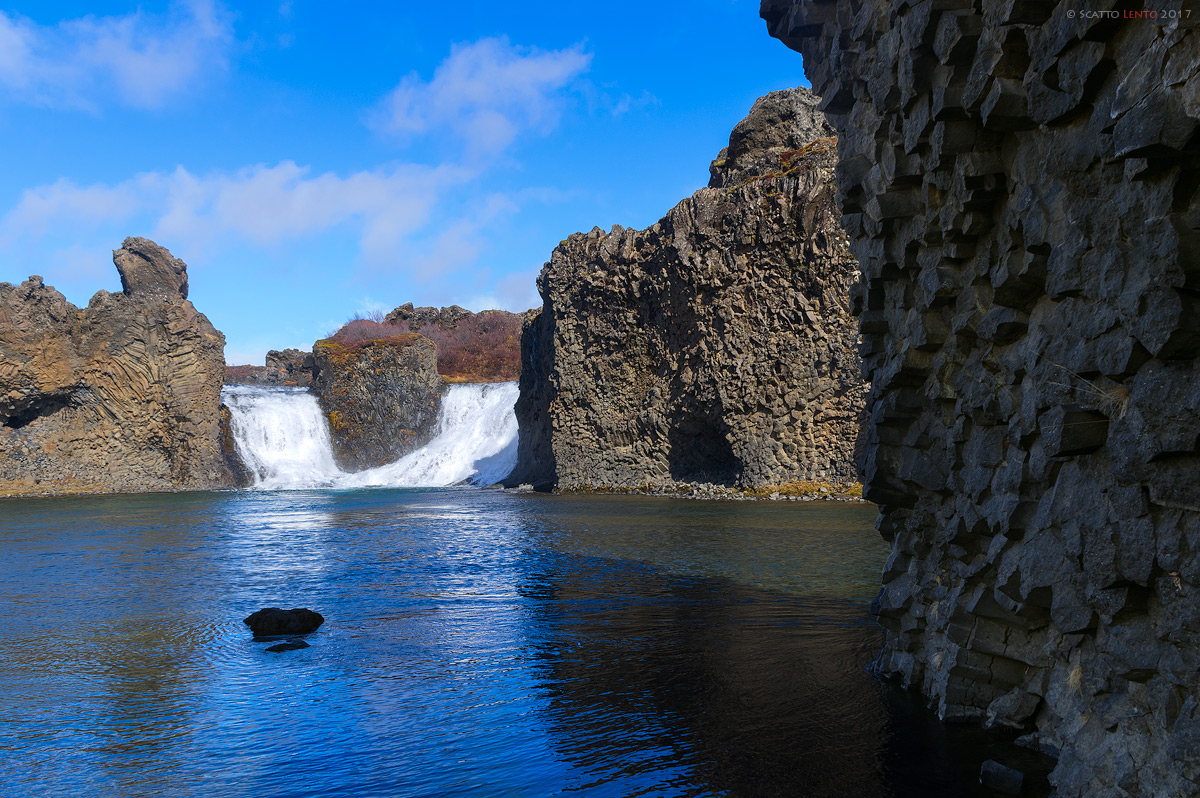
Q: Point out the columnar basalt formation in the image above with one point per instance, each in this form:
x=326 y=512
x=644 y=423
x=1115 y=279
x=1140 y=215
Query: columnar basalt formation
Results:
x=716 y=346
x=381 y=396
x=1019 y=182
x=124 y=395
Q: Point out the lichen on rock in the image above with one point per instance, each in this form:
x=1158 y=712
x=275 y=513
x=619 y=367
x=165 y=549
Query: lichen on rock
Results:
x=381 y=396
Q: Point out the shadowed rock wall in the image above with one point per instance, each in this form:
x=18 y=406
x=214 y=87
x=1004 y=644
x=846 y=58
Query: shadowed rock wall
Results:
x=1019 y=182
x=716 y=346
x=124 y=395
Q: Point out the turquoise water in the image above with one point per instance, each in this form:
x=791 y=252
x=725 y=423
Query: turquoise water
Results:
x=477 y=643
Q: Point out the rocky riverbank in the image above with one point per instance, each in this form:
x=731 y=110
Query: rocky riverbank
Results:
x=121 y=396
x=716 y=347
x=796 y=492
x=1019 y=185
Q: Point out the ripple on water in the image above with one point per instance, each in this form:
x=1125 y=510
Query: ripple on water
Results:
x=475 y=644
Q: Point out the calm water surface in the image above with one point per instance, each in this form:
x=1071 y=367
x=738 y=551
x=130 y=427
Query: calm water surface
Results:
x=476 y=644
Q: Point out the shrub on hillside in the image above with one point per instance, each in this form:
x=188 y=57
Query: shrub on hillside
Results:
x=482 y=347
x=485 y=347
x=359 y=331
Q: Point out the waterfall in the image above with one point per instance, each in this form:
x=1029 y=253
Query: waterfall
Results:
x=283 y=438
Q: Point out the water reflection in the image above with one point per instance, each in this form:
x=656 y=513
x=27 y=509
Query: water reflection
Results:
x=733 y=690
x=476 y=644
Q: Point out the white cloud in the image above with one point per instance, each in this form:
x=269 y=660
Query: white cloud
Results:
x=140 y=60
x=263 y=205
x=485 y=93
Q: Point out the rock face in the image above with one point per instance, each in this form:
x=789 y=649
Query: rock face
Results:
x=124 y=395
x=289 y=367
x=381 y=396
x=415 y=318
x=717 y=346
x=1020 y=188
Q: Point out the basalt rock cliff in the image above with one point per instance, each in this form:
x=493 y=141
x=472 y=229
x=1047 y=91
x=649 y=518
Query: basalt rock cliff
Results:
x=1019 y=182
x=717 y=346
x=381 y=396
x=124 y=395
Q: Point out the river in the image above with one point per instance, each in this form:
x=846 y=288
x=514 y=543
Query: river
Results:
x=477 y=643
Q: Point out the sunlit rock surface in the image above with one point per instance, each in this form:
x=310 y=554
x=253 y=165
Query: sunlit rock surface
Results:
x=717 y=346
x=124 y=395
x=381 y=396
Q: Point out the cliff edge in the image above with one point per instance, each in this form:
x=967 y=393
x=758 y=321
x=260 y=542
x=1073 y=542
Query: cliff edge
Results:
x=122 y=396
x=717 y=346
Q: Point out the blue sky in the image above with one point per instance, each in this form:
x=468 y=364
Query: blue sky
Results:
x=308 y=163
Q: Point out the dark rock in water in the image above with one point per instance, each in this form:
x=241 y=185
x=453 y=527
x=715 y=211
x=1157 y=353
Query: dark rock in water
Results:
x=717 y=346
x=381 y=396
x=274 y=621
x=1002 y=778
x=295 y=644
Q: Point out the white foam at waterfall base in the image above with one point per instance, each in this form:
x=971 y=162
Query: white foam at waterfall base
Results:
x=283 y=438
x=475 y=440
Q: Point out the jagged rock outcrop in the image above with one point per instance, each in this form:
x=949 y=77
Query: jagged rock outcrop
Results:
x=415 y=318
x=381 y=396
x=287 y=367
x=716 y=346
x=124 y=395
x=1020 y=187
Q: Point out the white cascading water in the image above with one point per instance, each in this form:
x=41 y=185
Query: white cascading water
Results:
x=283 y=438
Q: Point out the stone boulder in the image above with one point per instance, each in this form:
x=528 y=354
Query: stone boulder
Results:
x=381 y=396
x=273 y=621
x=148 y=270
x=294 y=644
